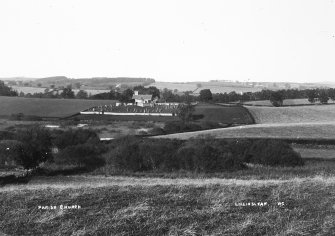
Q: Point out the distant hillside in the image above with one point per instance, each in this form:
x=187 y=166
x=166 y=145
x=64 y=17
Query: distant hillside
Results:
x=95 y=82
x=18 y=79
x=54 y=79
x=82 y=83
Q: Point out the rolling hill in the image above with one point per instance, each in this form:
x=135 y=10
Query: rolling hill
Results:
x=44 y=107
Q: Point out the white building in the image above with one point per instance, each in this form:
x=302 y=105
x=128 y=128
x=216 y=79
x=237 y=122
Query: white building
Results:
x=142 y=100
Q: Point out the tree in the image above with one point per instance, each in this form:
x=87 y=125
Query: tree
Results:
x=36 y=146
x=311 y=95
x=331 y=93
x=151 y=90
x=127 y=95
x=277 y=98
x=323 y=96
x=185 y=112
x=205 y=95
x=82 y=94
x=77 y=85
x=6 y=91
x=67 y=92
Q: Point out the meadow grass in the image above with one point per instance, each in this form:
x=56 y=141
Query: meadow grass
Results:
x=206 y=207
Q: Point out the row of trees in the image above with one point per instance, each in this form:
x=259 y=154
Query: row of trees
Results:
x=6 y=91
x=67 y=93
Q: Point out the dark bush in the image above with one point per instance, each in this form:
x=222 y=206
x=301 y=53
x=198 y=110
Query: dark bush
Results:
x=126 y=157
x=5 y=135
x=72 y=137
x=208 y=155
x=157 y=131
x=179 y=126
x=159 y=154
x=82 y=155
x=272 y=153
x=10 y=152
x=36 y=146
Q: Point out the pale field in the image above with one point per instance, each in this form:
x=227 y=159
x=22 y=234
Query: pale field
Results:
x=287 y=102
x=299 y=114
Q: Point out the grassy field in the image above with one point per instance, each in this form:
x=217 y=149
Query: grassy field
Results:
x=280 y=131
x=44 y=107
x=300 y=114
x=155 y=206
x=223 y=114
x=287 y=102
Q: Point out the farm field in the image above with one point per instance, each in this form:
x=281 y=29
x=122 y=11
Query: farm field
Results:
x=44 y=107
x=300 y=114
x=215 y=87
x=179 y=206
x=308 y=131
x=287 y=102
x=223 y=114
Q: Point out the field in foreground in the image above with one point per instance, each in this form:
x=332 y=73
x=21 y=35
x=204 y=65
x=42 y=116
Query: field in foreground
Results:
x=136 y=206
x=318 y=114
x=44 y=107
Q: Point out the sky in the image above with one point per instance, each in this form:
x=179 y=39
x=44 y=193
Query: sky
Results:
x=170 y=40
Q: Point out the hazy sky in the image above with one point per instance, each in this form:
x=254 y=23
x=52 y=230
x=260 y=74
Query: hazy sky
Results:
x=260 y=40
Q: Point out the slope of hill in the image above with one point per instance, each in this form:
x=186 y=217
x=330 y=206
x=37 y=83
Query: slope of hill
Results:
x=44 y=107
x=281 y=131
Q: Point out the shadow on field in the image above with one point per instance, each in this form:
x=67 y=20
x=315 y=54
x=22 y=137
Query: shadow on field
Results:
x=13 y=179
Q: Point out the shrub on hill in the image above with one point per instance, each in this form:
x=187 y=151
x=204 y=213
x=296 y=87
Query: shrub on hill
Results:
x=73 y=137
x=82 y=155
x=36 y=146
x=272 y=153
x=5 y=134
x=208 y=155
x=199 y=155
x=179 y=126
x=10 y=152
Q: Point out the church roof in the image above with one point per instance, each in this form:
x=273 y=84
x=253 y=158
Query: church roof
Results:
x=142 y=97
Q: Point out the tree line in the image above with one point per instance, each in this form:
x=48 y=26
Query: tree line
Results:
x=166 y=95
